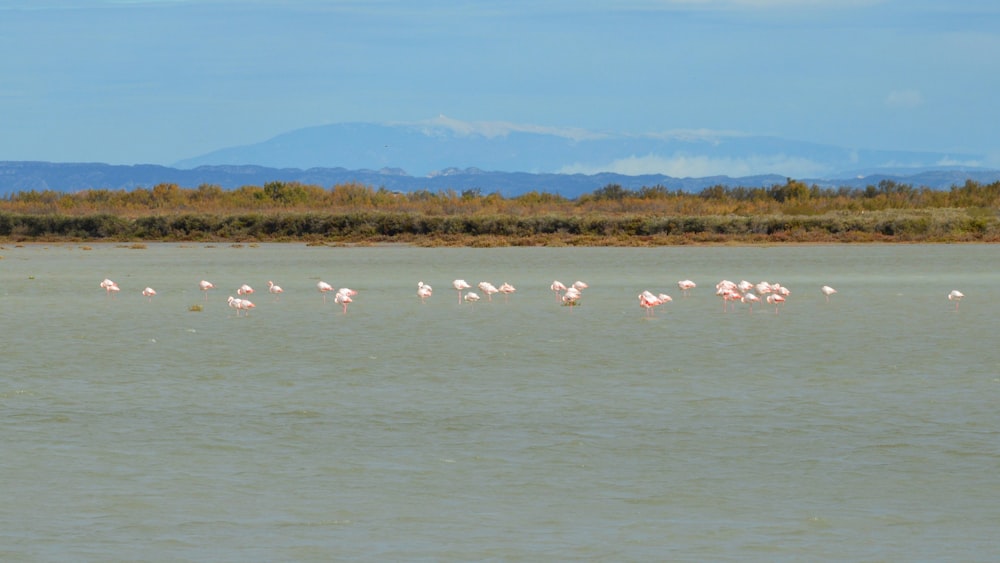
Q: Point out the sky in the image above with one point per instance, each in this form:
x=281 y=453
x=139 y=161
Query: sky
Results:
x=157 y=81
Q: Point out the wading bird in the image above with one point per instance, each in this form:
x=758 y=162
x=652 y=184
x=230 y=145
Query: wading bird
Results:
x=955 y=296
x=424 y=291
x=461 y=285
x=827 y=291
x=324 y=288
x=506 y=289
x=686 y=286
x=775 y=299
x=274 y=289
x=557 y=286
x=343 y=297
x=205 y=286
x=109 y=286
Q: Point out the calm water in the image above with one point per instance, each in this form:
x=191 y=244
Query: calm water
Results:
x=866 y=428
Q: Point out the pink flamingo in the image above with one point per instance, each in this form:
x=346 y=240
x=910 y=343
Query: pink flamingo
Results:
x=506 y=289
x=489 y=289
x=827 y=291
x=571 y=297
x=274 y=289
x=461 y=285
x=109 y=287
x=648 y=301
x=149 y=293
x=686 y=286
x=775 y=299
x=246 y=305
x=244 y=290
x=343 y=297
x=727 y=290
x=763 y=288
x=424 y=291
x=472 y=297
x=324 y=288
x=205 y=286
x=235 y=303
x=956 y=296
x=751 y=299
x=557 y=286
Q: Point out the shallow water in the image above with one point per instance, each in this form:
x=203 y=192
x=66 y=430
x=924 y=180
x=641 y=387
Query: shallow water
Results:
x=865 y=428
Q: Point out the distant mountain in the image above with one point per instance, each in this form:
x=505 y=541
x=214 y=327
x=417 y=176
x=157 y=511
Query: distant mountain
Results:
x=512 y=159
x=429 y=147
x=20 y=176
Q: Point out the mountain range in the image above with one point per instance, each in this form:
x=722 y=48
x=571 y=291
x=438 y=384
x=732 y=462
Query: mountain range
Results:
x=512 y=159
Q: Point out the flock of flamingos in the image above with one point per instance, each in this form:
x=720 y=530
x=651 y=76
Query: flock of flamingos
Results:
x=730 y=292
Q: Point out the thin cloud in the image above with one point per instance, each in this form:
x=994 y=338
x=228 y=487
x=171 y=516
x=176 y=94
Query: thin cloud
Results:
x=948 y=161
x=491 y=129
x=712 y=136
x=699 y=166
x=904 y=99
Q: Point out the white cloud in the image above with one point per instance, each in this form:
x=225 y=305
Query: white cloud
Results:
x=698 y=166
x=713 y=136
x=491 y=129
x=948 y=161
x=904 y=99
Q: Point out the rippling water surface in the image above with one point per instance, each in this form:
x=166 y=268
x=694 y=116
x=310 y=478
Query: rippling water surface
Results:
x=866 y=428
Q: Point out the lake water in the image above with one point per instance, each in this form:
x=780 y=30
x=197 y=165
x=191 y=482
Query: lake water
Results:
x=866 y=428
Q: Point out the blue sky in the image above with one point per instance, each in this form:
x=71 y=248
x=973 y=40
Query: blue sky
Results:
x=156 y=81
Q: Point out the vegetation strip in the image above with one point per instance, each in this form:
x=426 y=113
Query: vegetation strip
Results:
x=352 y=213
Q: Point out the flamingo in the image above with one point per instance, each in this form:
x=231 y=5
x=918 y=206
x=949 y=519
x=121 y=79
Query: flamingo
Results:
x=557 y=286
x=956 y=296
x=489 y=289
x=274 y=289
x=235 y=304
x=244 y=290
x=205 y=286
x=343 y=297
x=827 y=291
x=728 y=291
x=472 y=297
x=461 y=285
x=580 y=286
x=751 y=299
x=686 y=286
x=149 y=293
x=571 y=297
x=424 y=291
x=763 y=288
x=246 y=305
x=775 y=299
x=324 y=288
x=730 y=295
x=109 y=286
x=506 y=289
x=647 y=301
